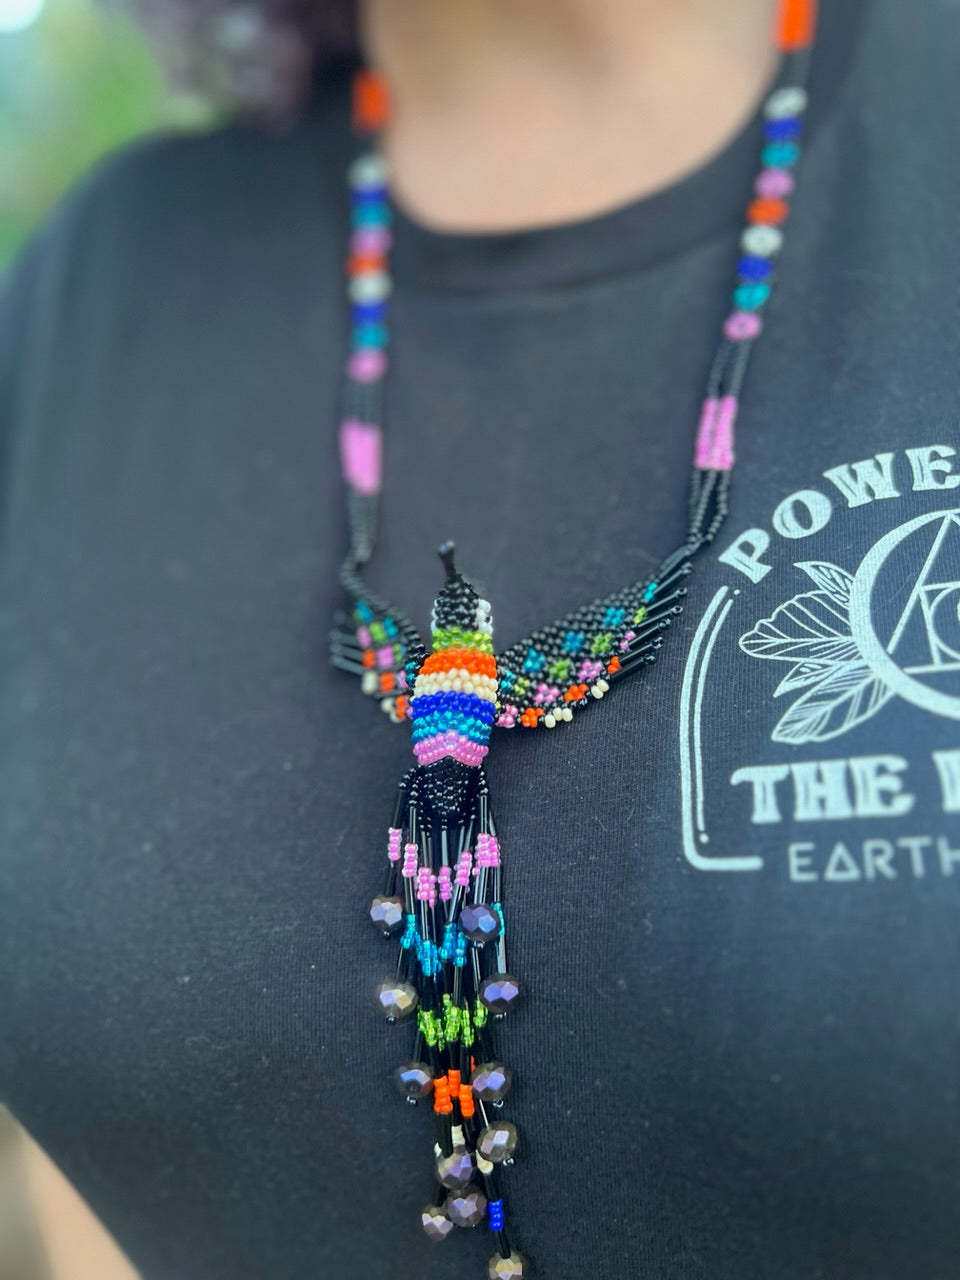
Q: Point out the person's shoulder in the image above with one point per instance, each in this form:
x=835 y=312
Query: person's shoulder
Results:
x=166 y=224
x=172 y=201
x=177 y=193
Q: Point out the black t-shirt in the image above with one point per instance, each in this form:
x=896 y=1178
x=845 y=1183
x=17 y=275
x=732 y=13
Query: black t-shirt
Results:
x=732 y=886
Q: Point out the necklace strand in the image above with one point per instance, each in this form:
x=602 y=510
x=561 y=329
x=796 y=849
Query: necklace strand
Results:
x=443 y=892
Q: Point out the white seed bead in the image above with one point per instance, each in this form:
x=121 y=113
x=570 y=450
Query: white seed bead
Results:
x=567 y=713
x=596 y=691
x=370 y=286
x=602 y=684
x=370 y=682
x=550 y=720
x=785 y=102
x=761 y=241
x=367 y=171
x=457 y=679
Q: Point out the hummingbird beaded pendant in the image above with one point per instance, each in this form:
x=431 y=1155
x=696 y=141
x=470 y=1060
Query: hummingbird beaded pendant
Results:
x=443 y=899
x=443 y=893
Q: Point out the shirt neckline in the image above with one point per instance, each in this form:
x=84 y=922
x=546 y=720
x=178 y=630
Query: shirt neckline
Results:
x=633 y=236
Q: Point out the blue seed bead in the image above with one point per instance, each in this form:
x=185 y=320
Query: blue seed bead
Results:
x=779 y=155
x=370 y=334
x=748 y=297
x=368 y=313
x=782 y=130
x=375 y=191
x=376 y=195
x=495 y=1209
x=751 y=267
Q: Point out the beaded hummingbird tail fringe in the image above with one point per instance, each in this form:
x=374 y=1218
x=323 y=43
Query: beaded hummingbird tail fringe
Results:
x=443 y=894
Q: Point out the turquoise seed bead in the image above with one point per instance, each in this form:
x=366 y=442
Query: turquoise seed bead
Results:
x=779 y=155
x=370 y=214
x=748 y=297
x=370 y=334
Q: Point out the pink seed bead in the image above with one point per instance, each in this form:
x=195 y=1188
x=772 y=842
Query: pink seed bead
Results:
x=721 y=457
x=370 y=242
x=393 y=844
x=368 y=364
x=446 y=884
x=425 y=884
x=488 y=851
x=775 y=183
x=360 y=456
x=409 y=861
x=464 y=865
x=741 y=325
x=705 y=430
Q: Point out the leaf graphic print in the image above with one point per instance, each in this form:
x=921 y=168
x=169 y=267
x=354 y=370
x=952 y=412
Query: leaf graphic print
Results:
x=811 y=627
x=836 y=582
x=801 y=675
x=845 y=697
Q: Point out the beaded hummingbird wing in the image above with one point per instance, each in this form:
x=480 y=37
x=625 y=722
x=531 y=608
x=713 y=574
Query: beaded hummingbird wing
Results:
x=562 y=667
x=379 y=644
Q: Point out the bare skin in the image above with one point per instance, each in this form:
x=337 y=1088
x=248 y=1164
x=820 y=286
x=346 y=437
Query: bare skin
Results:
x=523 y=113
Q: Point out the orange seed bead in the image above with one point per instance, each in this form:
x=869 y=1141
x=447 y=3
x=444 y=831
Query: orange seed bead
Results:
x=767 y=210
x=796 y=24
x=371 y=101
x=359 y=263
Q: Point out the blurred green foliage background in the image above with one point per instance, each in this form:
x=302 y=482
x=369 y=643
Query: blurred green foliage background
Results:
x=75 y=83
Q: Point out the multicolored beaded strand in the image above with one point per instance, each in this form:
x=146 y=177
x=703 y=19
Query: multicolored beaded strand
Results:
x=443 y=894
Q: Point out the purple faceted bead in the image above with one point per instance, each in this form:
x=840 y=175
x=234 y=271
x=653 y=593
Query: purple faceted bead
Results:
x=490 y=1081
x=500 y=992
x=455 y=1171
x=396 y=999
x=512 y=1268
x=386 y=914
x=466 y=1208
x=413 y=1079
x=498 y=1141
x=480 y=923
x=435 y=1222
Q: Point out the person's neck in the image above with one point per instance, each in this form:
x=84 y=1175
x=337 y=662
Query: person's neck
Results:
x=519 y=113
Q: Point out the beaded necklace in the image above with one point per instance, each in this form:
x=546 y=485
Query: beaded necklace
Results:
x=443 y=893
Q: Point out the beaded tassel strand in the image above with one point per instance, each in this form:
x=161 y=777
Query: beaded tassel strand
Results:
x=444 y=897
